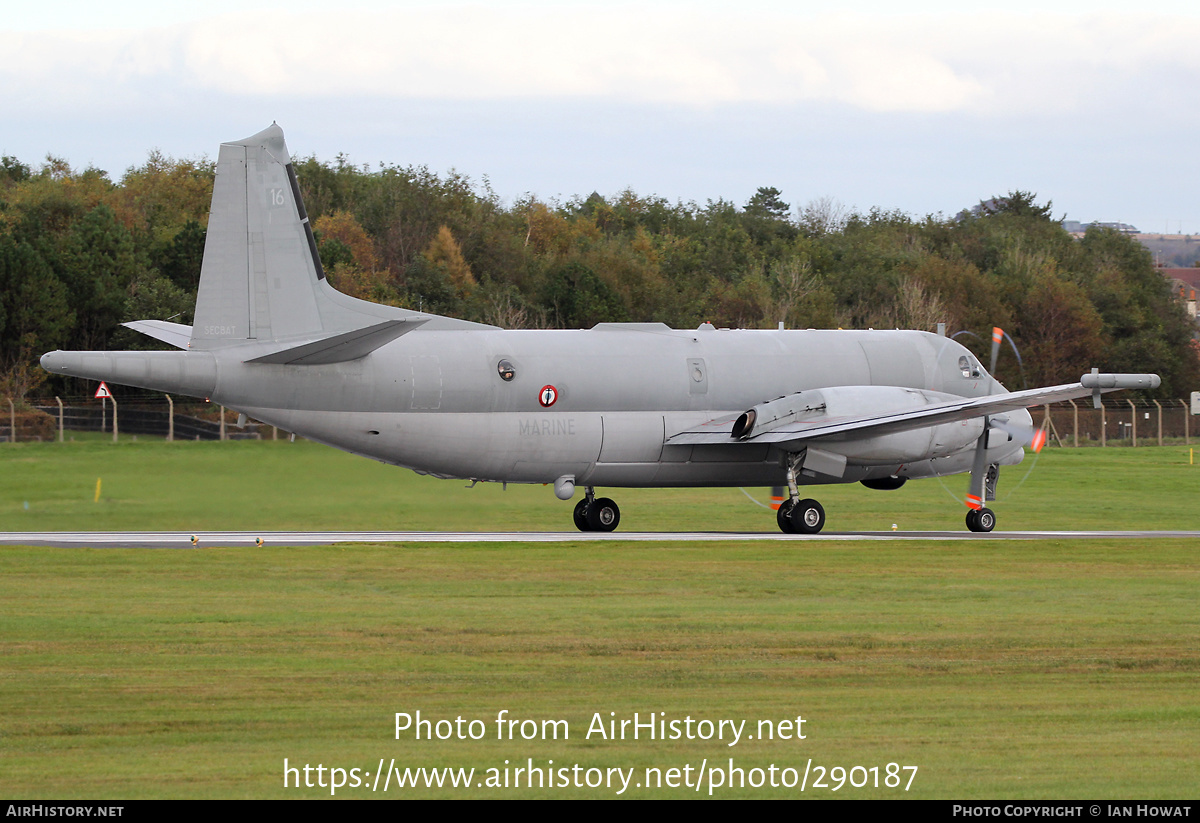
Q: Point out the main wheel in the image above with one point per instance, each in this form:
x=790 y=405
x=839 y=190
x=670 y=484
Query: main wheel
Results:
x=784 y=516
x=603 y=515
x=807 y=517
x=580 y=514
x=981 y=520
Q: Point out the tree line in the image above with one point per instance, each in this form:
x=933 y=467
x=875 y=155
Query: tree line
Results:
x=81 y=253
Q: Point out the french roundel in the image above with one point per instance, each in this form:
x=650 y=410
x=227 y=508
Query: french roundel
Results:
x=548 y=395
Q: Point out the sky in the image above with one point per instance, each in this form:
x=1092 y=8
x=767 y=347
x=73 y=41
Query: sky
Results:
x=923 y=107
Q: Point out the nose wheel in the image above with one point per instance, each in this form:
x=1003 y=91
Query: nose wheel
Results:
x=981 y=520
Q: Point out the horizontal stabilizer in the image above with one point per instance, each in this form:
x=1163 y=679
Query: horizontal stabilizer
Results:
x=343 y=347
x=177 y=334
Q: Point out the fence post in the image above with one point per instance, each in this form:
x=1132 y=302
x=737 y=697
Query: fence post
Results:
x=170 y=419
x=12 y=421
x=1133 y=417
x=58 y=400
x=1159 y=421
x=222 y=408
x=114 y=418
x=1103 y=426
x=1187 y=412
x=1075 y=416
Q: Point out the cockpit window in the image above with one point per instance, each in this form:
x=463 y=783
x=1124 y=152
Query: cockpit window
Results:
x=506 y=370
x=968 y=366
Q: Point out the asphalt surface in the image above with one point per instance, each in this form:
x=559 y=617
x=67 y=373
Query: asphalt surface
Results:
x=184 y=540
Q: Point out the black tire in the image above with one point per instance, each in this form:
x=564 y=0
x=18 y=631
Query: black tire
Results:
x=971 y=514
x=807 y=517
x=985 y=520
x=603 y=515
x=783 y=516
x=581 y=521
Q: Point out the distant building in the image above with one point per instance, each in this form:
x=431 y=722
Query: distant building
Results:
x=1077 y=227
x=1184 y=283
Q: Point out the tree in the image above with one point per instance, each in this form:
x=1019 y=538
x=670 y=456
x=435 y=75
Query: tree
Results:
x=1016 y=203
x=1060 y=331
x=181 y=259
x=34 y=315
x=577 y=298
x=766 y=202
x=444 y=253
x=341 y=227
x=101 y=266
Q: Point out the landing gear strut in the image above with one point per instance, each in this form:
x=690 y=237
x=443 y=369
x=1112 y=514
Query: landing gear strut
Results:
x=796 y=516
x=596 y=514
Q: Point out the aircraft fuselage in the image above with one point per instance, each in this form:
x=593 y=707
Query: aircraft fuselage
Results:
x=597 y=404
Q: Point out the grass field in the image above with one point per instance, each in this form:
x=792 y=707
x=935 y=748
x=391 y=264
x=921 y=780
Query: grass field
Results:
x=1039 y=669
x=267 y=485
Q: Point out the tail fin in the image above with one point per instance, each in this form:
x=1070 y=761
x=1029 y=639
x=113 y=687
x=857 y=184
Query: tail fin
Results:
x=261 y=278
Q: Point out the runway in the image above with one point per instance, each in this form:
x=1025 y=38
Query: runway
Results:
x=252 y=539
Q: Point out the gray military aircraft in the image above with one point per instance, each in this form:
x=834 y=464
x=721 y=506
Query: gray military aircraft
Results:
x=620 y=404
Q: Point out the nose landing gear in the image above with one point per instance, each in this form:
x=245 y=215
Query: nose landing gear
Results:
x=981 y=520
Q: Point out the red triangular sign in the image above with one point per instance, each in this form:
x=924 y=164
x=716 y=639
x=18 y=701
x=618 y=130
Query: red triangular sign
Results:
x=103 y=390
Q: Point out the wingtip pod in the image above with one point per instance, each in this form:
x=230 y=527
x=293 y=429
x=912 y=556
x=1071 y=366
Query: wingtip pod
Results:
x=1120 y=381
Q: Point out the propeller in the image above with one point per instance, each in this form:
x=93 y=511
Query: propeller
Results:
x=979 y=464
x=1032 y=436
x=980 y=518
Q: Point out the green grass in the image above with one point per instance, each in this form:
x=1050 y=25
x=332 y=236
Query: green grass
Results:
x=1026 y=669
x=266 y=485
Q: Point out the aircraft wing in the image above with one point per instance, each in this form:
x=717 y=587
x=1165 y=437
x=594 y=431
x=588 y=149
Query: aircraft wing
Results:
x=823 y=426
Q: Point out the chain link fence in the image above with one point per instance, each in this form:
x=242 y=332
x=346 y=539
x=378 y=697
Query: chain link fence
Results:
x=1117 y=422
x=151 y=415
x=1071 y=424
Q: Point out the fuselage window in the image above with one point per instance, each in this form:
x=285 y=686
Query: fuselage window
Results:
x=506 y=370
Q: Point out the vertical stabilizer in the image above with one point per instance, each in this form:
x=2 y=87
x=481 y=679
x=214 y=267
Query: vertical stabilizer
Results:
x=261 y=279
x=255 y=236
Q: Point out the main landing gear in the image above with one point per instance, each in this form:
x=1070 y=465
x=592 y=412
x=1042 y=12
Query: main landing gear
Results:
x=800 y=516
x=796 y=516
x=596 y=514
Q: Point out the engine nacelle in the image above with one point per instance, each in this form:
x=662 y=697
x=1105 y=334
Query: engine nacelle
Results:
x=931 y=442
x=769 y=416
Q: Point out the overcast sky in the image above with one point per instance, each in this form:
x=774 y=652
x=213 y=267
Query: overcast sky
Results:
x=926 y=110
